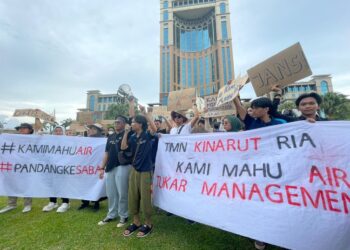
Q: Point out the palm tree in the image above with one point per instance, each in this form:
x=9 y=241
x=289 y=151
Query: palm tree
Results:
x=336 y=106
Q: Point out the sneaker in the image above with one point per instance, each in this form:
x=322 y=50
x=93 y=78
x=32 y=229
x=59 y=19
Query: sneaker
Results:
x=259 y=245
x=6 y=209
x=27 y=209
x=63 y=208
x=49 y=207
x=122 y=222
x=104 y=221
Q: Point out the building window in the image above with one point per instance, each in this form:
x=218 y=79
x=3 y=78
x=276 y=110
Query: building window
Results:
x=229 y=65
x=207 y=71
x=222 y=8
x=165 y=101
x=183 y=72
x=165 y=5
x=224 y=64
x=165 y=34
x=224 y=30
x=195 y=72
x=163 y=73
x=324 y=87
x=201 y=72
x=168 y=71
x=165 y=16
x=189 y=69
x=92 y=103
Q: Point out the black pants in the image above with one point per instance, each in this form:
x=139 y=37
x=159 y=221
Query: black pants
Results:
x=54 y=200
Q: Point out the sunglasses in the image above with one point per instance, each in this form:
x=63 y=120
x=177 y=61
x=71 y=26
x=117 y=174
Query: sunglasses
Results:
x=177 y=116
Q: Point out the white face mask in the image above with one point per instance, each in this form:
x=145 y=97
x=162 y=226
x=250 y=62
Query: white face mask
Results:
x=110 y=132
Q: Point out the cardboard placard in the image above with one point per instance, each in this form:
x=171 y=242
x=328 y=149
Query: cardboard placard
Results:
x=228 y=92
x=181 y=99
x=161 y=111
x=37 y=113
x=288 y=66
x=214 y=111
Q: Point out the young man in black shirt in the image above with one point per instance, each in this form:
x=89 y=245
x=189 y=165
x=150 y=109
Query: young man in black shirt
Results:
x=117 y=170
x=308 y=104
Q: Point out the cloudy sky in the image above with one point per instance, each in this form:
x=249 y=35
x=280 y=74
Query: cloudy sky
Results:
x=52 y=52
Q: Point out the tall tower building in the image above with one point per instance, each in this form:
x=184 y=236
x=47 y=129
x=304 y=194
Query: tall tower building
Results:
x=195 y=46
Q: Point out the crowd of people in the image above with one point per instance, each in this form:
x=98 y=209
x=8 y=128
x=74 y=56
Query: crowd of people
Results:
x=130 y=152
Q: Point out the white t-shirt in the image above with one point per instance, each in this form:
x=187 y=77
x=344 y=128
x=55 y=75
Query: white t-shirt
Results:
x=184 y=129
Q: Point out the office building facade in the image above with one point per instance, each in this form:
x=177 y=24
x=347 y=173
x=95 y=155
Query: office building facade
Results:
x=321 y=84
x=195 y=46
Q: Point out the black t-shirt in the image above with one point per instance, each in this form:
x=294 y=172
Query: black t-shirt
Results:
x=113 y=147
x=141 y=148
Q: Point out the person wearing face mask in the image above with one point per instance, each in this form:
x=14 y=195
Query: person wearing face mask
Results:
x=110 y=132
x=116 y=167
x=60 y=131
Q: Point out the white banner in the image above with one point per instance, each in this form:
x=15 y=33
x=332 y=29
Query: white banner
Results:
x=51 y=166
x=286 y=185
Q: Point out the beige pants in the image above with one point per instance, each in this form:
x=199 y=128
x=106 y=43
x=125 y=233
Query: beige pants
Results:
x=12 y=201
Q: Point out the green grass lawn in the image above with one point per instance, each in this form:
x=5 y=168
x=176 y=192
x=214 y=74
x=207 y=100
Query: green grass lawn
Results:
x=79 y=230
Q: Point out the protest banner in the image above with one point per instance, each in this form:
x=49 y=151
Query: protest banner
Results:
x=213 y=111
x=37 y=113
x=286 y=67
x=182 y=99
x=51 y=166
x=228 y=92
x=287 y=185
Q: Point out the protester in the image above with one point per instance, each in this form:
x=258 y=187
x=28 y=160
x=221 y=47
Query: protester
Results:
x=158 y=124
x=182 y=126
x=232 y=124
x=140 y=179
x=111 y=131
x=23 y=129
x=94 y=130
x=59 y=130
x=116 y=166
x=308 y=104
x=260 y=117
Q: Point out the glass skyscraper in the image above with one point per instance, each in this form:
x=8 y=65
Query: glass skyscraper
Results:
x=195 y=46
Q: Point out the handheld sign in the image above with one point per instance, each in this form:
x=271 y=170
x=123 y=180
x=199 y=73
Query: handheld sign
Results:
x=161 y=111
x=286 y=67
x=230 y=91
x=214 y=111
x=182 y=99
x=37 y=113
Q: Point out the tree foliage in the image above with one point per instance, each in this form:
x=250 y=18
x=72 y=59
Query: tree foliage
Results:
x=287 y=105
x=66 y=123
x=336 y=106
x=117 y=109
